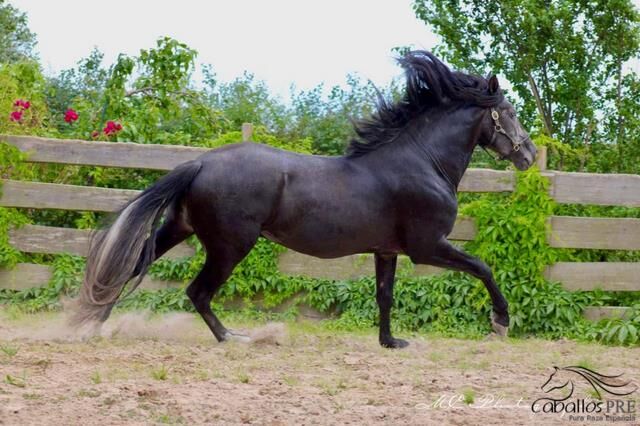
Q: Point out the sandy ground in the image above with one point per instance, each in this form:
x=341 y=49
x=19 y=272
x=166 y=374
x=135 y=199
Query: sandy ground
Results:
x=168 y=370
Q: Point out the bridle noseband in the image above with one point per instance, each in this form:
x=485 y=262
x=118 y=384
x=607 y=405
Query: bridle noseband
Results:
x=497 y=128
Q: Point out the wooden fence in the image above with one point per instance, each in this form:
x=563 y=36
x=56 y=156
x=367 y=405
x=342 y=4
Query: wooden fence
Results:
x=564 y=232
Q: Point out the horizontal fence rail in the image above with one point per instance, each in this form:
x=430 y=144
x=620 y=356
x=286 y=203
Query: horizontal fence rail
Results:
x=106 y=154
x=594 y=188
x=563 y=231
x=612 y=276
x=38 y=195
x=52 y=240
x=566 y=187
x=166 y=157
x=28 y=275
x=594 y=233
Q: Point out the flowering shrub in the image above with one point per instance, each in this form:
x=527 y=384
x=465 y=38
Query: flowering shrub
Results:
x=22 y=104
x=112 y=128
x=16 y=116
x=70 y=116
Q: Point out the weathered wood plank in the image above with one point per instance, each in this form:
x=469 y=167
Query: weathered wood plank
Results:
x=596 y=313
x=28 y=275
x=487 y=180
x=594 y=233
x=612 y=276
x=108 y=154
x=166 y=157
x=48 y=239
x=464 y=229
x=352 y=267
x=598 y=189
x=52 y=240
x=343 y=268
x=39 y=195
x=24 y=276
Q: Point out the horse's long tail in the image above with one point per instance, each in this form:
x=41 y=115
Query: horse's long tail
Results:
x=127 y=247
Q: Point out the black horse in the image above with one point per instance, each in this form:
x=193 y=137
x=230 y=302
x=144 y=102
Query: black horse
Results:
x=394 y=192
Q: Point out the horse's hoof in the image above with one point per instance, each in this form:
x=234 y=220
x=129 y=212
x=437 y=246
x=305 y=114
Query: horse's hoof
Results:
x=394 y=343
x=237 y=337
x=499 y=329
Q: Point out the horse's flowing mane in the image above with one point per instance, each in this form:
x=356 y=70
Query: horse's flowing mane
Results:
x=610 y=384
x=429 y=83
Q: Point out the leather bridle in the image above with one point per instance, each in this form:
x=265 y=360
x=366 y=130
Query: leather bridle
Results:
x=497 y=128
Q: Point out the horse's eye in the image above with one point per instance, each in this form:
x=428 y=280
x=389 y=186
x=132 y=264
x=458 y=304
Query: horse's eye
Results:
x=512 y=115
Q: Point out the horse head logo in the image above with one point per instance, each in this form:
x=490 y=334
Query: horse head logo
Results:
x=564 y=379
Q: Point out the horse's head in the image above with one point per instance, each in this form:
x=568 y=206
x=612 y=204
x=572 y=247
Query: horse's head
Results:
x=503 y=133
x=556 y=380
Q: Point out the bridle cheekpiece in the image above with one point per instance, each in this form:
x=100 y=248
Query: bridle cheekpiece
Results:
x=497 y=128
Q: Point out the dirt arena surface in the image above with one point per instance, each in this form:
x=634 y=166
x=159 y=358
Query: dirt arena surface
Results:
x=168 y=370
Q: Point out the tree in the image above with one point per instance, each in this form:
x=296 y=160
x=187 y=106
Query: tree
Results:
x=16 y=40
x=562 y=57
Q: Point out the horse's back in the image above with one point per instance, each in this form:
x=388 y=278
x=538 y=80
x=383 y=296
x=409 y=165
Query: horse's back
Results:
x=325 y=206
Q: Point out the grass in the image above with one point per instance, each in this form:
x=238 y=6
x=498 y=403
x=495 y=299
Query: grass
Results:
x=291 y=380
x=468 y=396
x=160 y=373
x=31 y=396
x=594 y=394
x=243 y=377
x=15 y=381
x=587 y=363
x=88 y=393
x=332 y=388
x=96 y=379
x=8 y=350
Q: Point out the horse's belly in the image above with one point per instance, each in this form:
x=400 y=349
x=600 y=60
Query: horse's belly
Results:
x=330 y=242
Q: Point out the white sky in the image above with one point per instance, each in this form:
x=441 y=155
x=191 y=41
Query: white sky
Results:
x=280 y=41
x=283 y=42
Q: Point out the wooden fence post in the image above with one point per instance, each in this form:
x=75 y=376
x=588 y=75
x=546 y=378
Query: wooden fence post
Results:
x=247 y=132
x=541 y=159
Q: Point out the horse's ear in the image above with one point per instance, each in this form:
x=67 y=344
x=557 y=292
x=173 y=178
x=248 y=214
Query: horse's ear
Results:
x=494 y=85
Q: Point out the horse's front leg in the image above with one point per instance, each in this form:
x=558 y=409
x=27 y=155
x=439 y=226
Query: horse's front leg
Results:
x=449 y=256
x=385 y=275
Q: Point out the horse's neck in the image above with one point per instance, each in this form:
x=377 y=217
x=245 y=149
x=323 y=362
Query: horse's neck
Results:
x=441 y=142
x=449 y=138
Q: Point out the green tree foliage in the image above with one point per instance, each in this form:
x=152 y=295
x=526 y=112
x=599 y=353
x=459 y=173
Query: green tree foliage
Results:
x=324 y=117
x=16 y=40
x=328 y=121
x=149 y=95
x=564 y=59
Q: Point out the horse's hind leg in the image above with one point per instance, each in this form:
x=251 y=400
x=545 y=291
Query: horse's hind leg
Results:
x=221 y=260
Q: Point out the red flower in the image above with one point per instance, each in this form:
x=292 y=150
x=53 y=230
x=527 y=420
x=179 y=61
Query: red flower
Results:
x=70 y=116
x=95 y=134
x=112 y=127
x=15 y=116
x=22 y=104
